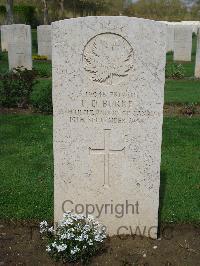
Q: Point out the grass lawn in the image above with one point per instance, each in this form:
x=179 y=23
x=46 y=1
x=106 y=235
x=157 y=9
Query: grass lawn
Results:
x=182 y=91
x=27 y=168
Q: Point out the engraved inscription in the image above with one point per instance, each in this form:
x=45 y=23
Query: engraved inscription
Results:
x=106 y=151
x=108 y=58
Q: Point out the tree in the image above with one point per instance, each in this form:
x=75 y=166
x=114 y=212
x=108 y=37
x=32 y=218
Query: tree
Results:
x=9 y=11
x=62 y=9
x=195 y=11
x=171 y=10
x=45 y=12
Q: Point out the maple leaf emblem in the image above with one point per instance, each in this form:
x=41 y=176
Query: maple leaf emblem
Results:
x=108 y=57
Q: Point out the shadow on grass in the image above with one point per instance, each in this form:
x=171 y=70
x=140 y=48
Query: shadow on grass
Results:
x=163 y=181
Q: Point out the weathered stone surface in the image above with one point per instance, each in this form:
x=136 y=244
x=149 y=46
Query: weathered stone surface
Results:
x=170 y=38
x=108 y=85
x=197 y=64
x=194 y=24
x=182 y=43
x=5 y=36
x=20 y=47
x=44 y=40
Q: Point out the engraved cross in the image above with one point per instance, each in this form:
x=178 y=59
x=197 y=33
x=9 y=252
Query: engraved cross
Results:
x=106 y=151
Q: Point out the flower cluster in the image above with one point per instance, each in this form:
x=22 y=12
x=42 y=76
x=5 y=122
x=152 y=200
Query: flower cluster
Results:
x=39 y=57
x=76 y=238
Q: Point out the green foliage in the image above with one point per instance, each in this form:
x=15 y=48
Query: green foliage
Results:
x=34 y=41
x=2 y=10
x=39 y=57
x=25 y=14
x=41 y=96
x=15 y=87
x=175 y=71
x=43 y=69
x=195 y=14
x=171 y=10
x=86 y=7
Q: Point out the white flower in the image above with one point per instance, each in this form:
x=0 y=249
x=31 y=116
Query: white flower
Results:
x=61 y=247
x=67 y=213
x=75 y=250
x=48 y=248
x=43 y=230
x=68 y=221
x=67 y=235
x=74 y=229
x=64 y=236
x=51 y=230
x=53 y=244
x=90 y=218
x=79 y=238
x=86 y=237
x=98 y=238
x=43 y=224
x=80 y=216
x=90 y=242
x=87 y=227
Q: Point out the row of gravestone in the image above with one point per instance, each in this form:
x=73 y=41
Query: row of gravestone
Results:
x=108 y=95
x=179 y=41
x=16 y=39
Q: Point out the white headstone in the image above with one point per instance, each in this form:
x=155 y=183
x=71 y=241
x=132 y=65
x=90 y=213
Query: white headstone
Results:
x=108 y=85
x=194 y=25
x=182 y=43
x=170 y=38
x=20 y=47
x=5 y=36
x=44 y=40
x=197 y=64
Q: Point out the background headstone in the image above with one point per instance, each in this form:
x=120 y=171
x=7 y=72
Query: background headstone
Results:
x=197 y=64
x=44 y=40
x=170 y=38
x=182 y=43
x=194 y=24
x=108 y=86
x=5 y=36
x=20 y=47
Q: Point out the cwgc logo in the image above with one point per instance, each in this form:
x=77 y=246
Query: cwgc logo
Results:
x=108 y=58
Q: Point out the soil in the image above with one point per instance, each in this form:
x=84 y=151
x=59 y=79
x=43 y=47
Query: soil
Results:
x=178 y=245
x=181 y=110
x=15 y=111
